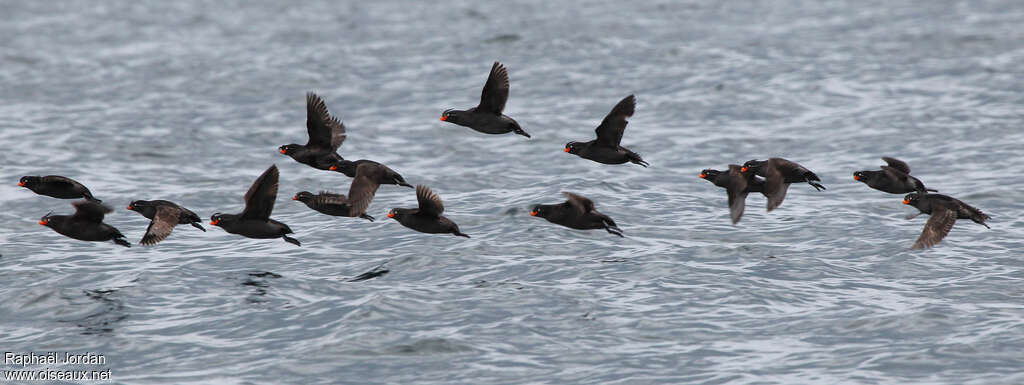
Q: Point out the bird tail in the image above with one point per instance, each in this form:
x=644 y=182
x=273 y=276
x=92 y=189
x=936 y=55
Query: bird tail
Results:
x=813 y=180
x=611 y=227
x=635 y=158
x=122 y=242
x=196 y=225
x=614 y=230
x=461 y=234
x=291 y=240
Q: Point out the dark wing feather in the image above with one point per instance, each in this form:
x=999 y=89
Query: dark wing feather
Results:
x=259 y=200
x=331 y=198
x=897 y=164
x=325 y=131
x=90 y=211
x=160 y=227
x=894 y=173
x=429 y=202
x=579 y=202
x=495 y=92
x=609 y=133
x=364 y=187
x=775 y=186
x=940 y=223
x=737 y=189
x=785 y=167
x=59 y=179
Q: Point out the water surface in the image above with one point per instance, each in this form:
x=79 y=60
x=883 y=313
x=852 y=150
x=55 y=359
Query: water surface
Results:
x=188 y=101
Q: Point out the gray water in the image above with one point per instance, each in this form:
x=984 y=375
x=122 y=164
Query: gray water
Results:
x=188 y=101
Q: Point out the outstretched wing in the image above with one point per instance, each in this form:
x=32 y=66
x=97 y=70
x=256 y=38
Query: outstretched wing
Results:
x=430 y=203
x=161 y=226
x=775 y=187
x=897 y=164
x=609 y=133
x=259 y=200
x=737 y=189
x=90 y=211
x=495 y=92
x=325 y=131
x=895 y=173
x=364 y=187
x=940 y=223
x=581 y=203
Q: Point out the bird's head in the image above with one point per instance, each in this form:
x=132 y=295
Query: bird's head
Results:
x=215 y=219
x=29 y=181
x=540 y=211
x=572 y=147
x=912 y=199
x=137 y=205
x=451 y=116
x=752 y=165
x=303 y=196
x=709 y=174
x=45 y=220
x=288 y=149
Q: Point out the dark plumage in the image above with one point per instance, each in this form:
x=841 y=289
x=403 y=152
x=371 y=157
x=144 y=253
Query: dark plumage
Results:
x=578 y=213
x=944 y=211
x=56 y=186
x=427 y=217
x=254 y=221
x=349 y=167
x=326 y=133
x=164 y=216
x=487 y=117
x=86 y=224
x=894 y=178
x=737 y=185
x=328 y=203
x=368 y=178
x=778 y=173
x=606 y=149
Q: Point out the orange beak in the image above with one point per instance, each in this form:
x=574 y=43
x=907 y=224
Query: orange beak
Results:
x=906 y=201
x=283 y=151
x=130 y=207
x=703 y=175
x=744 y=169
x=533 y=213
x=566 y=149
x=391 y=215
x=295 y=198
x=214 y=222
x=43 y=222
x=444 y=118
x=22 y=184
x=334 y=168
x=856 y=177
